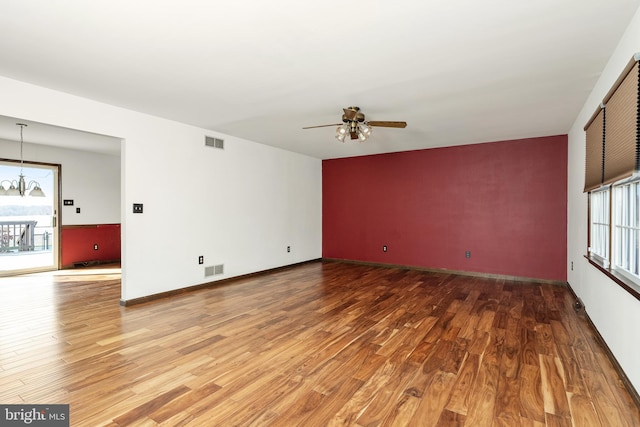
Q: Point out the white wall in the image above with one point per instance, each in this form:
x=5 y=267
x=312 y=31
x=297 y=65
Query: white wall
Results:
x=615 y=313
x=92 y=180
x=241 y=206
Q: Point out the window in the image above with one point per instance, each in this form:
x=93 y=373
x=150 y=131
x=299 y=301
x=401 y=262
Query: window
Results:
x=600 y=225
x=612 y=179
x=626 y=229
x=614 y=240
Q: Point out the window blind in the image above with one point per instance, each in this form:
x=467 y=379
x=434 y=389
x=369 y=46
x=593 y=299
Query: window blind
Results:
x=621 y=137
x=613 y=132
x=595 y=151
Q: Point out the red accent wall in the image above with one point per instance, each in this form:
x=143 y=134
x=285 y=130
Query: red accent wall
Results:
x=77 y=243
x=506 y=202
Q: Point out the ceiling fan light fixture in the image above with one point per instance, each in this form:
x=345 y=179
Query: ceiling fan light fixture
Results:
x=342 y=132
x=356 y=126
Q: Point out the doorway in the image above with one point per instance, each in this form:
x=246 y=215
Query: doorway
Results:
x=28 y=222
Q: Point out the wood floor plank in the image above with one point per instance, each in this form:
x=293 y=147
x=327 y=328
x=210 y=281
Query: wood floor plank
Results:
x=604 y=400
x=459 y=398
x=554 y=393
x=352 y=409
x=583 y=413
x=343 y=392
x=531 y=397
x=186 y=400
x=405 y=408
x=528 y=353
x=483 y=395
x=384 y=404
x=301 y=409
x=451 y=419
x=322 y=343
x=574 y=382
x=434 y=399
x=157 y=402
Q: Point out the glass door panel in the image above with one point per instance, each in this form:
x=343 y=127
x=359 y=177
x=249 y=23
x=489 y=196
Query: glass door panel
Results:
x=28 y=223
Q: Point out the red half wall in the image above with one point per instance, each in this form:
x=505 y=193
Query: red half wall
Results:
x=505 y=202
x=78 y=243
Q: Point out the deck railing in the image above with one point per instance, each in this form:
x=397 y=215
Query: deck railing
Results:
x=18 y=235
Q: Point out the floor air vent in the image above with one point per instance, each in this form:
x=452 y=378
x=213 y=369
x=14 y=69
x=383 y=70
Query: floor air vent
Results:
x=210 y=141
x=214 y=270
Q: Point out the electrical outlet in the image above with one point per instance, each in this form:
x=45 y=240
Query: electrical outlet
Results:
x=95 y=247
x=571 y=265
x=288 y=248
x=77 y=210
x=384 y=248
x=137 y=208
x=467 y=254
x=201 y=259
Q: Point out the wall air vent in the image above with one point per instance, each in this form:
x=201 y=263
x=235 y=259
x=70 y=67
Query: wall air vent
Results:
x=210 y=141
x=214 y=270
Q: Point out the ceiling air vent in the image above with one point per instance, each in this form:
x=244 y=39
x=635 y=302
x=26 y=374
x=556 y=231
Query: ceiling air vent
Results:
x=210 y=141
x=214 y=270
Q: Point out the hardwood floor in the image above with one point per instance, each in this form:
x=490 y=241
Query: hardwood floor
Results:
x=318 y=344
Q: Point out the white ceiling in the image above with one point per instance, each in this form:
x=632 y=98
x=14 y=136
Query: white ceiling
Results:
x=40 y=133
x=458 y=71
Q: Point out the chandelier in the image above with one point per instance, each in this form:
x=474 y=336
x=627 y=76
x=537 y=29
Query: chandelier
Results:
x=20 y=187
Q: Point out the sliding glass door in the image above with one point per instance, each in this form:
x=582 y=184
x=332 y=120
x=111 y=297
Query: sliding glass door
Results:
x=28 y=221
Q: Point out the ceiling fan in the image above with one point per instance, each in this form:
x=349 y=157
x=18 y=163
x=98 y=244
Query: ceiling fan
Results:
x=354 y=124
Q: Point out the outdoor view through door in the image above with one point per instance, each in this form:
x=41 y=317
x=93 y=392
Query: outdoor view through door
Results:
x=28 y=229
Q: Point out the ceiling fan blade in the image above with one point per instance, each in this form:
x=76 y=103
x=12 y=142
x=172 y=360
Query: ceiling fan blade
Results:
x=322 y=126
x=388 y=124
x=350 y=113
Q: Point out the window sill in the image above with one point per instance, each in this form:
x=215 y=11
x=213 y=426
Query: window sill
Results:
x=621 y=280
